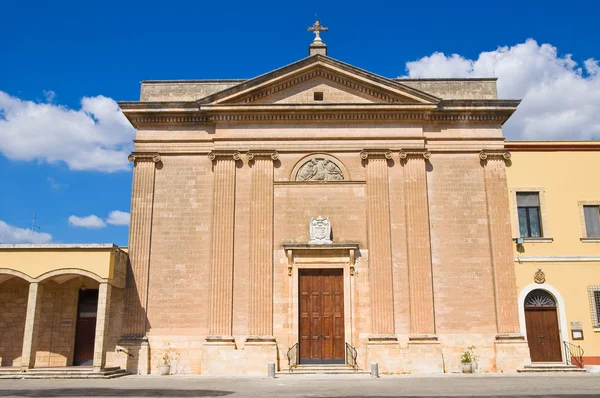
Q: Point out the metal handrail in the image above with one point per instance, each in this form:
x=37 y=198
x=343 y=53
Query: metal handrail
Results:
x=351 y=355
x=573 y=353
x=292 y=356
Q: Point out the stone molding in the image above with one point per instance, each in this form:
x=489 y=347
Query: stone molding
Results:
x=214 y=155
x=365 y=154
x=297 y=248
x=145 y=120
x=144 y=157
x=336 y=78
x=409 y=153
x=485 y=155
x=251 y=155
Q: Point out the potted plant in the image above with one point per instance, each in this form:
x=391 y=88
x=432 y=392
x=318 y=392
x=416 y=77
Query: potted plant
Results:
x=165 y=364
x=467 y=359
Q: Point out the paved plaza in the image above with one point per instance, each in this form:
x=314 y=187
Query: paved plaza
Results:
x=585 y=385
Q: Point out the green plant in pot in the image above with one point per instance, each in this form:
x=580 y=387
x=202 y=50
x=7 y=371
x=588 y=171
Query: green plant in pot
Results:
x=468 y=359
x=169 y=355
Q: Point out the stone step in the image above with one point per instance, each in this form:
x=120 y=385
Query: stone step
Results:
x=550 y=367
x=322 y=369
x=58 y=373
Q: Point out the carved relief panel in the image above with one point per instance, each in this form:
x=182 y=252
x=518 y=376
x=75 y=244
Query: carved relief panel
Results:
x=319 y=169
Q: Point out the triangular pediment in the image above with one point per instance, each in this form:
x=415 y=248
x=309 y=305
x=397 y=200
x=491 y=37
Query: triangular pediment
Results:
x=333 y=82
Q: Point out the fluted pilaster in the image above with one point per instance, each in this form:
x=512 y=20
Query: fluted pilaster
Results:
x=140 y=231
x=380 y=251
x=418 y=242
x=501 y=250
x=221 y=284
x=260 y=322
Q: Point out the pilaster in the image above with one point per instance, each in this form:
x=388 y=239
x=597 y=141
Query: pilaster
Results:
x=380 y=250
x=104 y=293
x=260 y=320
x=142 y=203
x=422 y=321
x=32 y=325
x=501 y=250
x=221 y=283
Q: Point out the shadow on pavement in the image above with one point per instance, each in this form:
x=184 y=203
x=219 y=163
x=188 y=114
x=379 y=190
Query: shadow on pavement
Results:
x=112 y=392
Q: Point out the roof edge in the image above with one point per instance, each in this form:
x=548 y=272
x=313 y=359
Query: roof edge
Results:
x=552 y=146
x=58 y=246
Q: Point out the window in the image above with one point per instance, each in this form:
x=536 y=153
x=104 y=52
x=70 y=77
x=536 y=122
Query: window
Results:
x=594 y=293
x=528 y=207
x=591 y=215
x=318 y=96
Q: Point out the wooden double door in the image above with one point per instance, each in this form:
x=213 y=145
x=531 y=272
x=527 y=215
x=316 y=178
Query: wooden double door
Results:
x=542 y=334
x=321 y=301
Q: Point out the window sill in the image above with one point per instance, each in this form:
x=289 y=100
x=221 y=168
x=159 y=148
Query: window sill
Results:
x=538 y=240
x=590 y=240
x=596 y=329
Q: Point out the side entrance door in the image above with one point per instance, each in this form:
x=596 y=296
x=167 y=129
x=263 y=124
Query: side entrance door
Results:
x=85 y=330
x=322 y=339
x=541 y=321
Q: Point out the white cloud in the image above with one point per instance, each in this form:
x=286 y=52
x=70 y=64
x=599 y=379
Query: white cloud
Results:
x=91 y=221
x=117 y=217
x=12 y=234
x=560 y=99
x=96 y=137
x=55 y=185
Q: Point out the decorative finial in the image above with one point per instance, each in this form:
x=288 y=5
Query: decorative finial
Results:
x=317 y=29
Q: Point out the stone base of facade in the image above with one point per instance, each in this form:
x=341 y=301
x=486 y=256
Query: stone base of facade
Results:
x=424 y=355
x=512 y=353
x=133 y=355
x=385 y=350
x=223 y=358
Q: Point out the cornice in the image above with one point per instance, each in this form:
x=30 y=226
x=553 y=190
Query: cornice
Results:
x=144 y=157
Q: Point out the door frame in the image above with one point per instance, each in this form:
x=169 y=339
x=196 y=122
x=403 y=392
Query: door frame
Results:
x=295 y=298
x=561 y=311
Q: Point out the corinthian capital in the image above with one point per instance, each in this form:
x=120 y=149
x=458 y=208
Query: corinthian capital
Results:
x=214 y=155
x=501 y=154
x=251 y=155
x=144 y=157
x=375 y=154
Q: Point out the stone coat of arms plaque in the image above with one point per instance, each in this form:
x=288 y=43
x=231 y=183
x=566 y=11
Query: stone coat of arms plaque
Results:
x=320 y=231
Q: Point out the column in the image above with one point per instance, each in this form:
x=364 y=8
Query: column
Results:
x=221 y=284
x=260 y=321
x=102 y=316
x=32 y=323
x=512 y=351
x=418 y=242
x=140 y=231
x=380 y=250
x=501 y=245
x=424 y=350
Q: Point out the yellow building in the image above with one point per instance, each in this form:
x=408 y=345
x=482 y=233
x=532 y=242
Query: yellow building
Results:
x=61 y=305
x=554 y=199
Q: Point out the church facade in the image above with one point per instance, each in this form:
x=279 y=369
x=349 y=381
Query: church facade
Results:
x=320 y=214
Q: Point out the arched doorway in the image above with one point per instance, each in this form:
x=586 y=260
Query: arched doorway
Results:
x=541 y=322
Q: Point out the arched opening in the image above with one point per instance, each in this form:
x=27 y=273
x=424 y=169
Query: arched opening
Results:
x=541 y=323
x=67 y=323
x=14 y=290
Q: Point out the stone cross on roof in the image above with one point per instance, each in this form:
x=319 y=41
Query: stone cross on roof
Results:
x=317 y=29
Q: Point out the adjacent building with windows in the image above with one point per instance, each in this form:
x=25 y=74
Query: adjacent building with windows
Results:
x=555 y=202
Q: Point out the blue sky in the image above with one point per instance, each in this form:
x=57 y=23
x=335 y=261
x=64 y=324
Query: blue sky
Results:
x=54 y=54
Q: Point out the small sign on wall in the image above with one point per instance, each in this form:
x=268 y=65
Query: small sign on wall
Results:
x=66 y=322
x=576 y=330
